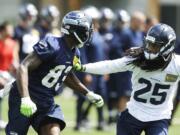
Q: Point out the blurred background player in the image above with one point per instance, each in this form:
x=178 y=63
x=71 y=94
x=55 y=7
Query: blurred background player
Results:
x=48 y=23
x=119 y=84
x=81 y=103
x=105 y=24
x=95 y=52
x=9 y=59
x=134 y=36
x=105 y=30
x=150 y=21
x=24 y=32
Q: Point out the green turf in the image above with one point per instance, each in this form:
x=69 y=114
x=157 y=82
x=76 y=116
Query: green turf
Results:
x=68 y=106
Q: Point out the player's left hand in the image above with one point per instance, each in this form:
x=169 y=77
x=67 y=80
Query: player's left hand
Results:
x=95 y=99
x=28 y=107
x=79 y=67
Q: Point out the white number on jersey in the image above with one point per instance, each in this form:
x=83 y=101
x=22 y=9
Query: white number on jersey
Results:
x=52 y=77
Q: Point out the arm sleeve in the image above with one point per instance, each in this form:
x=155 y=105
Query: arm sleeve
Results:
x=109 y=66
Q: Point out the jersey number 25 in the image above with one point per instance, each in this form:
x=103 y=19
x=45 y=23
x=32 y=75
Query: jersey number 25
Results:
x=158 y=95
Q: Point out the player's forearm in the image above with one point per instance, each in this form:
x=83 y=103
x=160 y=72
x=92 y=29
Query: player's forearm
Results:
x=101 y=68
x=80 y=88
x=22 y=80
x=108 y=66
x=73 y=82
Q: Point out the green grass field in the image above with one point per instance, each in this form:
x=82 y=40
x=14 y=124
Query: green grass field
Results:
x=67 y=102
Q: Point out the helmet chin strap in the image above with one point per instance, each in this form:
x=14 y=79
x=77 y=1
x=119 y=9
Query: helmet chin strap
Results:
x=80 y=41
x=166 y=58
x=77 y=37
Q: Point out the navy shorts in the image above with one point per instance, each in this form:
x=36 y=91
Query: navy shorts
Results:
x=129 y=125
x=120 y=83
x=19 y=124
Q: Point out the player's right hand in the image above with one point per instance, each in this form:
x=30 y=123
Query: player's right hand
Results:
x=28 y=107
x=95 y=99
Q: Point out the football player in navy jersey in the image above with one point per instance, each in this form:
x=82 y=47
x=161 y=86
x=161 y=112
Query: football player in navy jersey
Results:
x=41 y=74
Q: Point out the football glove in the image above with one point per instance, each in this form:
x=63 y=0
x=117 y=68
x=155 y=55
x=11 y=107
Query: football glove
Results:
x=5 y=91
x=95 y=99
x=27 y=107
x=79 y=67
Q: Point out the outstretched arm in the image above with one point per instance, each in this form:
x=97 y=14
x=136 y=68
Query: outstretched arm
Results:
x=73 y=82
x=106 y=67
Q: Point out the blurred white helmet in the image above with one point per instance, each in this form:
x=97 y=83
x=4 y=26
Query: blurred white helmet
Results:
x=28 y=10
x=122 y=15
x=50 y=10
x=92 y=11
x=106 y=13
x=50 y=14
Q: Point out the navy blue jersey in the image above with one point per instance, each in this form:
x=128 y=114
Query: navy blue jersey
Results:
x=96 y=51
x=116 y=45
x=46 y=80
x=120 y=82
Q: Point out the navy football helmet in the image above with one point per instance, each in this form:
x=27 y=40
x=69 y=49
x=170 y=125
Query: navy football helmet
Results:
x=159 y=42
x=79 y=25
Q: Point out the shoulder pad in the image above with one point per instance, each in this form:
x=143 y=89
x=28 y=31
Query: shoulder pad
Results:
x=47 y=48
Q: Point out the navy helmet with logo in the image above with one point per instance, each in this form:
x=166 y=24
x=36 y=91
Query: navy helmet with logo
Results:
x=79 y=25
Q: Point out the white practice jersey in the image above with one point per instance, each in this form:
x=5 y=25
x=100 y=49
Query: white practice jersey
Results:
x=153 y=92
